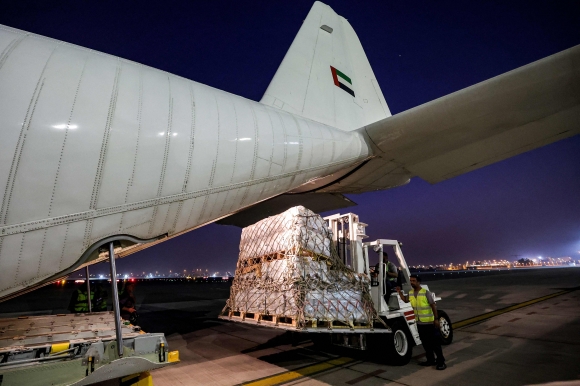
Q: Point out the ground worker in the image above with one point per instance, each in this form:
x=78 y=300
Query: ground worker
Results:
x=391 y=275
x=427 y=322
x=100 y=298
x=127 y=303
x=79 y=300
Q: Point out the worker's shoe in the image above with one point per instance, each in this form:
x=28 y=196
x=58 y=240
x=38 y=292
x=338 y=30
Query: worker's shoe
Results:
x=442 y=366
x=426 y=363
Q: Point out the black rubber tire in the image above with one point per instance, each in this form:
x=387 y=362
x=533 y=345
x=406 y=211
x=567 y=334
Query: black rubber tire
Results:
x=399 y=344
x=446 y=329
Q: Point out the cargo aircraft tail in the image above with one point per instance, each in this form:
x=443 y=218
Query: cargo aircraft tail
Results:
x=326 y=76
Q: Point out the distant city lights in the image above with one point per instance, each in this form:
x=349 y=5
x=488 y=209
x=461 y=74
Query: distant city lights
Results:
x=498 y=264
x=204 y=274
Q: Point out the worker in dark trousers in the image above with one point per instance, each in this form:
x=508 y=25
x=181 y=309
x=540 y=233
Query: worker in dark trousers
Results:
x=427 y=322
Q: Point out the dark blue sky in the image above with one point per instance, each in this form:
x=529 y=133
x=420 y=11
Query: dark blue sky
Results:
x=528 y=205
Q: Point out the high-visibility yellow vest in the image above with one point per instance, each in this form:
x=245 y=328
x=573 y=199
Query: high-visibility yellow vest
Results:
x=421 y=306
x=81 y=304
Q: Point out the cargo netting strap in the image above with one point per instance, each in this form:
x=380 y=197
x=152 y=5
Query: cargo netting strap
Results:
x=289 y=267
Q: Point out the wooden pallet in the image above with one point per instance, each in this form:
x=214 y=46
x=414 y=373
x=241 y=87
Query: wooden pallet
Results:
x=275 y=320
x=335 y=324
x=292 y=321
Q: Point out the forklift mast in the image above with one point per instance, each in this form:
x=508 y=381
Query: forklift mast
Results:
x=348 y=234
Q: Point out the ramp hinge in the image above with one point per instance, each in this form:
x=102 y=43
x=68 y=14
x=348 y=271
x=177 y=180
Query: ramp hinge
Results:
x=162 y=352
x=90 y=365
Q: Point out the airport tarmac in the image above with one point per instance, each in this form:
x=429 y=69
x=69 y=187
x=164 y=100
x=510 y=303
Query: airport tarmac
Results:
x=535 y=344
x=522 y=343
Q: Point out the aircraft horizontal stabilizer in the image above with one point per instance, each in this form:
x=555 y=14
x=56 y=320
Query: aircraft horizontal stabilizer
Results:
x=520 y=110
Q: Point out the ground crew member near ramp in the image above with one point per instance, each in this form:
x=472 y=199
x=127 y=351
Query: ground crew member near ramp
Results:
x=427 y=322
x=79 y=301
x=100 y=298
x=127 y=302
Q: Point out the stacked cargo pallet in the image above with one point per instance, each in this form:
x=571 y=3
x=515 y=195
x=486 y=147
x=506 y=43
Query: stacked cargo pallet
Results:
x=289 y=273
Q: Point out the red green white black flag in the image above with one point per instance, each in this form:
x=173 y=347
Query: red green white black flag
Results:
x=342 y=81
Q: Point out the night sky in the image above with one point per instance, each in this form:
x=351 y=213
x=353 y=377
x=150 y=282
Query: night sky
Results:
x=528 y=205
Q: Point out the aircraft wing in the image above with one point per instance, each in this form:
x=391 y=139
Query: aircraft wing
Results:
x=518 y=111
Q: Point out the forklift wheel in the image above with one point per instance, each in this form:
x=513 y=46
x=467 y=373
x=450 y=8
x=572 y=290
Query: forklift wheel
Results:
x=400 y=345
x=446 y=328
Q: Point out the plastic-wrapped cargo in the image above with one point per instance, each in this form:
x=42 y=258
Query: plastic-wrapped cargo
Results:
x=288 y=268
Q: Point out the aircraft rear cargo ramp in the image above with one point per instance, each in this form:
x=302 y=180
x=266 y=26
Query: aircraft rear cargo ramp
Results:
x=75 y=349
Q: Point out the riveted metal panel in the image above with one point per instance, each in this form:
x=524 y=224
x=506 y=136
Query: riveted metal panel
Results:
x=124 y=138
x=27 y=261
x=11 y=246
x=87 y=129
x=266 y=138
x=134 y=218
x=17 y=106
x=278 y=147
x=54 y=239
x=104 y=226
x=206 y=139
x=154 y=136
x=181 y=137
x=30 y=197
x=246 y=145
x=227 y=156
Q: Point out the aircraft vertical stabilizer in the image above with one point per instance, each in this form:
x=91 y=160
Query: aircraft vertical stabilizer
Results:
x=326 y=76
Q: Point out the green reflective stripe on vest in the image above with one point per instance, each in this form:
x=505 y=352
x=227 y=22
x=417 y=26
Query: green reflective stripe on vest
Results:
x=81 y=302
x=423 y=311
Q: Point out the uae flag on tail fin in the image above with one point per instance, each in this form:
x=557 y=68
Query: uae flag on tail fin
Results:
x=342 y=81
